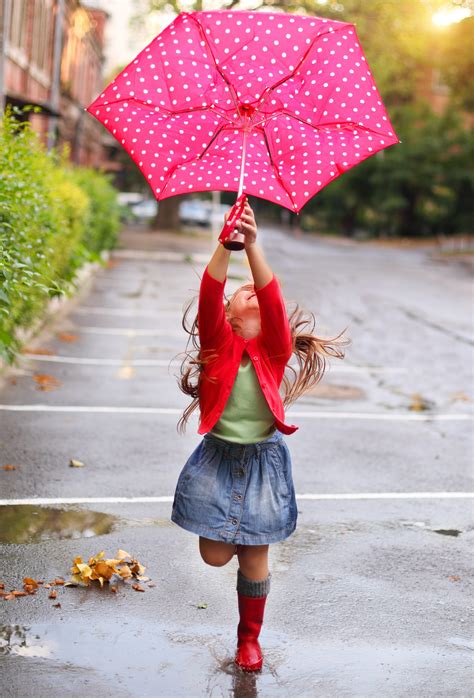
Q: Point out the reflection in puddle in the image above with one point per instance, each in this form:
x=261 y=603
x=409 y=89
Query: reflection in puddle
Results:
x=25 y=523
x=14 y=640
x=133 y=656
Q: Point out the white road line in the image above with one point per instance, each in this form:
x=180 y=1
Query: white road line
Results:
x=57 y=358
x=149 y=255
x=129 y=331
x=365 y=369
x=90 y=310
x=169 y=499
x=110 y=409
x=161 y=256
x=415 y=417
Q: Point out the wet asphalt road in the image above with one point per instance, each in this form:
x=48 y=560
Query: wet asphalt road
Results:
x=370 y=596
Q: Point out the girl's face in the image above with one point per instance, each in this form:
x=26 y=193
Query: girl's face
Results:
x=244 y=303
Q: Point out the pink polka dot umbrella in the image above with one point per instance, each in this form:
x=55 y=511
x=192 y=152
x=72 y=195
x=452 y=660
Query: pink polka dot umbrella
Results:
x=274 y=105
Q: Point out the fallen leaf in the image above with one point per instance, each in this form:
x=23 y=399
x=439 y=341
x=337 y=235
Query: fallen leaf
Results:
x=103 y=569
x=460 y=396
x=67 y=337
x=30 y=582
x=58 y=581
x=454 y=578
x=136 y=568
x=201 y=604
x=76 y=463
x=36 y=350
x=124 y=572
x=20 y=593
x=52 y=594
x=29 y=589
x=8 y=467
x=137 y=587
x=113 y=589
x=46 y=382
x=151 y=584
x=418 y=404
x=56 y=605
x=8 y=597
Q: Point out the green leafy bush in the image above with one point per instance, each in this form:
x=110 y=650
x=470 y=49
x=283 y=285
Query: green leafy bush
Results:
x=53 y=219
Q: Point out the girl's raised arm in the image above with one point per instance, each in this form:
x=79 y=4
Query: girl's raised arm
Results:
x=274 y=321
x=212 y=322
x=219 y=263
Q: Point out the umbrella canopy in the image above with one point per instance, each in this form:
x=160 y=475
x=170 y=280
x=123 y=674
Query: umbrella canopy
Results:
x=273 y=104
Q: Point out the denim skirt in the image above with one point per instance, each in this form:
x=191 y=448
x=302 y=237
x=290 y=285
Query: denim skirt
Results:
x=237 y=493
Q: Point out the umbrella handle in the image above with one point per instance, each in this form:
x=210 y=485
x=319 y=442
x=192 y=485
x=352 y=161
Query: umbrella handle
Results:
x=230 y=238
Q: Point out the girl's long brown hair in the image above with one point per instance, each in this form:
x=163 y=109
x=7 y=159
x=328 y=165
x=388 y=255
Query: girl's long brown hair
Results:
x=311 y=355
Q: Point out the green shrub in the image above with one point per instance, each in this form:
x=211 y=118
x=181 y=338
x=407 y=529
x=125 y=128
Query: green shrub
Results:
x=103 y=219
x=53 y=219
x=422 y=186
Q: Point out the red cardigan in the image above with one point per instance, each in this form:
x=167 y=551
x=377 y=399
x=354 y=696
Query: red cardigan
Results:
x=269 y=351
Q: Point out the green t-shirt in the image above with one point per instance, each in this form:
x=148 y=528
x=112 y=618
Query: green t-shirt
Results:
x=246 y=417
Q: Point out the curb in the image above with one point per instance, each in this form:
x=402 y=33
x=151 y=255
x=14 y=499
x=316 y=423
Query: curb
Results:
x=55 y=307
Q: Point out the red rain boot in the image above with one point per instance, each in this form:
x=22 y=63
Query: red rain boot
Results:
x=249 y=654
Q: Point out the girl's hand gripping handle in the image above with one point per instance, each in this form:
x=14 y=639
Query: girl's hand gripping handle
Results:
x=230 y=237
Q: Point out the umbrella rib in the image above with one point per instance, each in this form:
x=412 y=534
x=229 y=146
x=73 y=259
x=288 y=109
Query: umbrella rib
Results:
x=330 y=123
x=300 y=62
x=221 y=127
x=170 y=174
x=198 y=157
x=223 y=76
x=275 y=169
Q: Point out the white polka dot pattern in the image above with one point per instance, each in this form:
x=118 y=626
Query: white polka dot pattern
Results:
x=299 y=85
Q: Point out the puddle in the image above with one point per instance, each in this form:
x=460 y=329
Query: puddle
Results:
x=442 y=531
x=131 y=656
x=27 y=523
x=447 y=531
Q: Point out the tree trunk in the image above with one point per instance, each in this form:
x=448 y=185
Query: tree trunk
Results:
x=168 y=214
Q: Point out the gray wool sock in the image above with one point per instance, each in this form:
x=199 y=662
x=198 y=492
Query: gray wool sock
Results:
x=249 y=587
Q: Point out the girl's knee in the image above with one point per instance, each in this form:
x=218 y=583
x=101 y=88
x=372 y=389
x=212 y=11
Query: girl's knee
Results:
x=214 y=553
x=214 y=559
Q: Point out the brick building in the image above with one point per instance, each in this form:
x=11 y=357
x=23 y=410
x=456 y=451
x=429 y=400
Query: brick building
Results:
x=53 y=58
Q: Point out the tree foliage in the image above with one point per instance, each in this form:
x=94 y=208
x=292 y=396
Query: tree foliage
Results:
x=423 y=185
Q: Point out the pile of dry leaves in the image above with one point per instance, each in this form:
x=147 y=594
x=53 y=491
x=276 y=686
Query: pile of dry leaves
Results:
x=124 y=566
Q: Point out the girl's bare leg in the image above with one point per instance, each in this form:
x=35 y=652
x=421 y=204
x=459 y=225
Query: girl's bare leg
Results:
x=215 y=553
x=253 y=561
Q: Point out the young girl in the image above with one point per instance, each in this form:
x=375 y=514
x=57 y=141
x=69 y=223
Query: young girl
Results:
x=236 y=489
